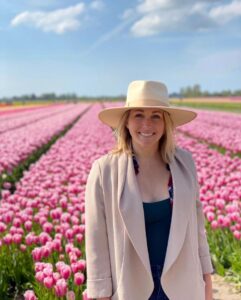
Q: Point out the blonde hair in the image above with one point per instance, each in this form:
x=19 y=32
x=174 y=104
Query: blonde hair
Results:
x=167 y=142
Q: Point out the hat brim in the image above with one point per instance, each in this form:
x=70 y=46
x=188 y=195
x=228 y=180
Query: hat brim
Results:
x=179 y=116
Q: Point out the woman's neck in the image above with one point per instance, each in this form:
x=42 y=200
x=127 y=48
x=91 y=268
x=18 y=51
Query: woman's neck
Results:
x=146 y=154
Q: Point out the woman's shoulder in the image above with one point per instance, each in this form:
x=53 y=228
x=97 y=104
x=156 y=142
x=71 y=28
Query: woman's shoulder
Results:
x=108 y=160
x=184 y=155
x=181 y=152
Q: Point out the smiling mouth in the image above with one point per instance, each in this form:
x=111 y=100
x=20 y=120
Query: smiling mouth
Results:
x=146 y=134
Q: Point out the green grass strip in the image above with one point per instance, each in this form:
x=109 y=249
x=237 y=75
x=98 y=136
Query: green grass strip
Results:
x=230 y=107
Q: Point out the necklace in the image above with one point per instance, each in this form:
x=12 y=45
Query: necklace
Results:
x=135 y=162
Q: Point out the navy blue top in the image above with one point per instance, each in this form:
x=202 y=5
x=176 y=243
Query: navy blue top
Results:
x=157 y=221
x=158 y=217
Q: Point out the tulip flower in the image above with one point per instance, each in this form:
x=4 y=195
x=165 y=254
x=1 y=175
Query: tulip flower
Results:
x=29 y=295
x=60 y=288
x=79 y=278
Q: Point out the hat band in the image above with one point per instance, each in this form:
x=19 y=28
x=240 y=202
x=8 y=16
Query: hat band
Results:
x=145 y=102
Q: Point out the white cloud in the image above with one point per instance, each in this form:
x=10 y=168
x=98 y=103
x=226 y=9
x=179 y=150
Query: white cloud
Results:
x=153 y=23
x=147 y=6
x=157 y=16
x=151 y=5
x=225 y=13
x=58 y=21
x=97 y=5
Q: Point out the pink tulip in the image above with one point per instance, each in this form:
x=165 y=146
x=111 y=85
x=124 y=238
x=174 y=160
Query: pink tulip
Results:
x=60 y=288
x=28 y=225
x=44 y=237
x=3 y=227
x=48 y=282
x=17 y=238
x=59 y=265
x=238 y=226
x=56 y=276
x=210 y=216
x=37 y=254
x=214 y=224
x=78 y=266
x=13 y=230
x=39 y=266
x=79 y=278
x=79 y=238
x=63 y=202
x=73 y=257
x=237 y=234
x=221 y=220
x=226 y=221
x=7 y=185
x=23 y=247
x=56 y=244
x=48 y=270
x=70 y=295
x=8 y=239
x=69 y=234
x=30 y=238
x=75 y=220
x=220 y=203
x=46 y=251
x=17 y=222
x=69 y=247
x=29 y=295
x=39 y=276
x=65 y=271
x=47 y=227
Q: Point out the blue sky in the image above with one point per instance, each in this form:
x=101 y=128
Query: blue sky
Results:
x=97 y=47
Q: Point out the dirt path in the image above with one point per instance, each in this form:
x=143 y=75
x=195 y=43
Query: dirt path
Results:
x=223 y=290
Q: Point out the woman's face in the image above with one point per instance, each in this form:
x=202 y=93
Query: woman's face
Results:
x=146 y=127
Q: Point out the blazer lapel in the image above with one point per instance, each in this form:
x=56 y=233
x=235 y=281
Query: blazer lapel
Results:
x=131 y=209
x=182 y=185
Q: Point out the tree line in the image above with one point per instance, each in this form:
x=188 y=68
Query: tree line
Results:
x=185 y=92
x=195 y=91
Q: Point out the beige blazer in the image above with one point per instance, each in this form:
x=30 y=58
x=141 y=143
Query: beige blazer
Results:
x=117 y=256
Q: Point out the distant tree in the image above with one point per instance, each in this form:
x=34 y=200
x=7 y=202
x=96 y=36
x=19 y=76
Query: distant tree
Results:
x=205 y=93
x=191 y=91
x=237 y=93
x=48 y=96
x=196 y=90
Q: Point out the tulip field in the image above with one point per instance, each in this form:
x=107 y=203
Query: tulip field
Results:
x=42 y=214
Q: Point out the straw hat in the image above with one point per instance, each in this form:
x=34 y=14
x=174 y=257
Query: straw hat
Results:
x=146 y=94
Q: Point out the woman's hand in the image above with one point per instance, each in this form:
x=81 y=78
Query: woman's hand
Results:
x=208 y=287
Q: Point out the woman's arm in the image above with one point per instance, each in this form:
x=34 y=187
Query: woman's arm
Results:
x=203 y=247
x=208 y=287
x=99 y=279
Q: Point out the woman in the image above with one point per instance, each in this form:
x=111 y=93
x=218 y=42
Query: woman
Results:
x=145 y=235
